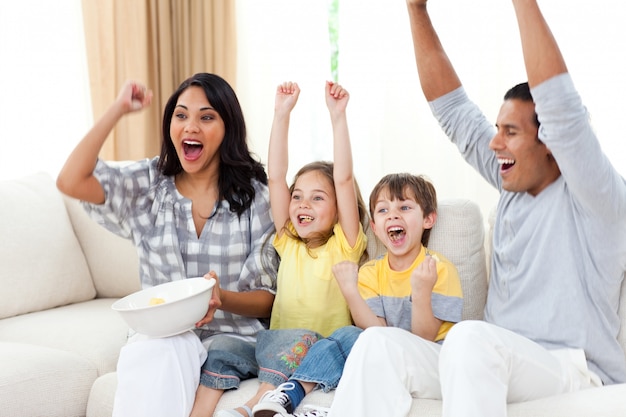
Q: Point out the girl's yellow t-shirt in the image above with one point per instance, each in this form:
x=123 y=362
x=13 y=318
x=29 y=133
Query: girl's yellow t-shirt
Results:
x=307 y=295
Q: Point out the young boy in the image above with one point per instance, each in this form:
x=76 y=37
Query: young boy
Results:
x=410 y=287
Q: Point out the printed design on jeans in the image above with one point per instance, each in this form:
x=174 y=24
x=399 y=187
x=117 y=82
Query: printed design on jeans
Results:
x=293 y=357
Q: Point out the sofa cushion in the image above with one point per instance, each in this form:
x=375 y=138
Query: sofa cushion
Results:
x=40 y=381
x=39 y=249
x=605 y=401
x=459 y=234
x=91 y=330
x=102 y=395
x=113 y=260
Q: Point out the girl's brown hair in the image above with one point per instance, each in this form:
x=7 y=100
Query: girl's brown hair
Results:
x=319 y=239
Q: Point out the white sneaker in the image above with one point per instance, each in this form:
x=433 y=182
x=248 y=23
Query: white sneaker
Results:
x=275 y=402
x=309 y=411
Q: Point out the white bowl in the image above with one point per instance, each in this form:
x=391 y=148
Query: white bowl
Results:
x=184 y=303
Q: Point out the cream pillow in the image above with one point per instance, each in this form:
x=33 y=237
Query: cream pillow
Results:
x=113 y=260
x=41 y=262
x=459 y=234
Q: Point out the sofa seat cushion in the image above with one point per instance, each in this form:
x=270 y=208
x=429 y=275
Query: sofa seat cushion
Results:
x=39 y=249
x=40 y=381
x=91 y=330
x=605 y=401
x=101 y=396
x=103 y=393
x=602 y=402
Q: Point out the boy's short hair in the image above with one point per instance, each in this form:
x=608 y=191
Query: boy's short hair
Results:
x=404 y=186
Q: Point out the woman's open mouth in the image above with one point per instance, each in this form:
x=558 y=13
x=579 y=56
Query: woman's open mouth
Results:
x=192 y=149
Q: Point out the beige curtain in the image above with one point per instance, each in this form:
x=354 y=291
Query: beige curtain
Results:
x=157 y=42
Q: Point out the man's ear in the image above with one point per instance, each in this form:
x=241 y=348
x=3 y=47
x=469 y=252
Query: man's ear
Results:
x=429 y=220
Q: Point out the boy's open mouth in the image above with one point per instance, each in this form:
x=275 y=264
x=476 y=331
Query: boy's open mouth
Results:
x=395 y=233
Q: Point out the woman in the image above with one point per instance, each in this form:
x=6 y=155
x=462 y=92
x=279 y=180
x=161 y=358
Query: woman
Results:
x=200 y=208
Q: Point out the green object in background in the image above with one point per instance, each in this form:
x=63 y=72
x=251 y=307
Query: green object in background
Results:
x=333 y=33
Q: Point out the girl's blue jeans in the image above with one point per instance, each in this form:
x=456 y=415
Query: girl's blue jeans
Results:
x=273 y=358
x=325 y=361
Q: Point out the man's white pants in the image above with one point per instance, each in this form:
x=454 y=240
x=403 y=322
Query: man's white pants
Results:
x=478 y=370
x=158 y=377
x=483 y=367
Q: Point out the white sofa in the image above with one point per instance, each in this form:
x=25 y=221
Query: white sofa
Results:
x=60 y=340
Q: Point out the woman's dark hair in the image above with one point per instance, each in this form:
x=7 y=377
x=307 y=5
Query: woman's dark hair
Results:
x=237 y=166
x=404 y=186
x=326 y=169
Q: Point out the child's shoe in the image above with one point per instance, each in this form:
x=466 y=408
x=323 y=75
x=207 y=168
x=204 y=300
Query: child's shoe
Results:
x=309 y=411
x=275 y=402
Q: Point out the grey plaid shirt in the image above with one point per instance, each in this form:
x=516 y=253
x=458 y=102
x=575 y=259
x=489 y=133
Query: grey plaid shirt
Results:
x=144 y=205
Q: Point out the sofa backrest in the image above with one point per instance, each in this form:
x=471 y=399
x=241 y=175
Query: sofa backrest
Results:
x=42 y=264
x=112 y=260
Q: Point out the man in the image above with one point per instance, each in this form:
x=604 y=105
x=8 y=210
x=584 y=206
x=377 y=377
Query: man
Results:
x=559 y=248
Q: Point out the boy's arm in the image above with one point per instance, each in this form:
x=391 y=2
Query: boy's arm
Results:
x=347 y=276
x=542 y=56
x=278 y=154
x=423 y=323
x=347 y=207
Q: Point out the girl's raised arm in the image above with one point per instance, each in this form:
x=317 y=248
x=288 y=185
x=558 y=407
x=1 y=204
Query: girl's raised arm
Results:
x=347 y=207
x=278 y=154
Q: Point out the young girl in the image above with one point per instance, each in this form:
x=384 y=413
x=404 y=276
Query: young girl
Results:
x=318 y=223
x=200 y=207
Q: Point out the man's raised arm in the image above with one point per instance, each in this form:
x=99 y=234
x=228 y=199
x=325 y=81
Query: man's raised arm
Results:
x=542 y=56
x=437 y=76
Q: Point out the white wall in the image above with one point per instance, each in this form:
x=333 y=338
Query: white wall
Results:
x=44 y=89
x=391 y=126
x=45 y=110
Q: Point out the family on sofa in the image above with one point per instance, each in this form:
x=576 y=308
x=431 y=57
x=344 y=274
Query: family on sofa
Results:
x=205 y=206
